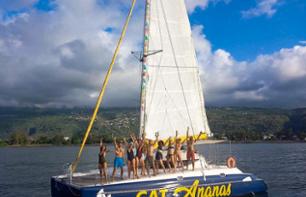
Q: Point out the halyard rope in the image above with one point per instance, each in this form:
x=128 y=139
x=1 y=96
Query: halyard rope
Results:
x=176 y=63
x=105 y=82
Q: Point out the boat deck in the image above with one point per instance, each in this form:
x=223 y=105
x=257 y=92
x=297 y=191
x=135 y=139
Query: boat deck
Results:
x=213 y=177
x=86 y=180
x=93 y=178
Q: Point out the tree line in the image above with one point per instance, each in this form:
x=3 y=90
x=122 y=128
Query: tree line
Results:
x=67 y=126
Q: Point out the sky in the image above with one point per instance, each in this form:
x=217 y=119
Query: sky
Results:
x=55 y=53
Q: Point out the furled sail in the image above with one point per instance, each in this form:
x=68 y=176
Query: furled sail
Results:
x=171 y=96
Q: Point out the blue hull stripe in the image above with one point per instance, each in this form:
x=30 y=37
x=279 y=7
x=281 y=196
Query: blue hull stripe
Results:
x=239 y=188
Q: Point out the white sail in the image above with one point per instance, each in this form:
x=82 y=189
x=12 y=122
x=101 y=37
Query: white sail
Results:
x=172 y=96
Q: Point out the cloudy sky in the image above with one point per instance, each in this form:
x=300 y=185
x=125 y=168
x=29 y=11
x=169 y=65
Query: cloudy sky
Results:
x=55 y=53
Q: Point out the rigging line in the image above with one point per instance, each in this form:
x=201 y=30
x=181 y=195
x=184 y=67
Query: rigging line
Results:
x=166 y=115
x=208 y=153
x=178 y=109
x=161 y=98
x=201 y=98
x=169 y=73
x=169 y=120
x=153 y=53
x=175 y=60
x=200 y=89
x=160 y=59
x=201 y=95
x=175 y=91
x=164 y=119
x=197 y=82
x=159 y=103
x=172 y=101
x=158 y=66
x=105 y=82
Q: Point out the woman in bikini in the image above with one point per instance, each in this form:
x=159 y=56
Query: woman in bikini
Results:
x=178 y=152
x=190 y=148
x=159 y=156
x=131 y=157
x=171 y=160
x=140 y=156
x=102 y=161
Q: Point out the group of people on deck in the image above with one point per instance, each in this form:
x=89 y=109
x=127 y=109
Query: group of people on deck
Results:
x=146 y=154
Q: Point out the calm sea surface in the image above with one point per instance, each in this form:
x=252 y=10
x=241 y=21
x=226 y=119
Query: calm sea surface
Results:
x=27 y=171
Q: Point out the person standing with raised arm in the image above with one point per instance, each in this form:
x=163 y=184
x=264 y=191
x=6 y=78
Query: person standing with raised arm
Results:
x=149 y=161
x=190 y=148
x=102 y=160
x=118 y=161
x=178 y=152
x=171 y=157
x=140 y=156
x=130 y=153
x=159 y=157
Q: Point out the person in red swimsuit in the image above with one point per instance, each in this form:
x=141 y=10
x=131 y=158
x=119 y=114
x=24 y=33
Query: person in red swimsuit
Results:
x=140 y=156
x=131 y=157
x=190 y=148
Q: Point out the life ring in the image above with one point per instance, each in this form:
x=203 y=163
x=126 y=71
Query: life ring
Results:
x=231 y=162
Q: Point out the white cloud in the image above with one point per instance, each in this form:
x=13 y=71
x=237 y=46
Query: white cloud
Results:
x=263 y=7
x=202 y=4
x=252 y=95
x=60 y=58
x=277 y=79
x=193 y=4
x=288 y=64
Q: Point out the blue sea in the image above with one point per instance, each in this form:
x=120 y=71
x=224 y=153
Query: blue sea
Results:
x=27 y=171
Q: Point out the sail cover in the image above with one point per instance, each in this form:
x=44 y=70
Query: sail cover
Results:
x=172 y=97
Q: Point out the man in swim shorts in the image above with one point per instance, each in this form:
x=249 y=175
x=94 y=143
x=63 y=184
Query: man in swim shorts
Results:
x=150 y=149
x=118 y=161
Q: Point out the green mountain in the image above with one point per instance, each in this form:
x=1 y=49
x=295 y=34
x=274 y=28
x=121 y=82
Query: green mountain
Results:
x=36 y=125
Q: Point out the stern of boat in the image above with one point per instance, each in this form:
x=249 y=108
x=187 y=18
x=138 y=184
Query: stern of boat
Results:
x=61 y=188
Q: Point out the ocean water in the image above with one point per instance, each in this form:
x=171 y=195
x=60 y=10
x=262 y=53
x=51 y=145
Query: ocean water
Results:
x=27 y=171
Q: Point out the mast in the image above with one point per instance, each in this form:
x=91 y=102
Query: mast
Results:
x=144 y=73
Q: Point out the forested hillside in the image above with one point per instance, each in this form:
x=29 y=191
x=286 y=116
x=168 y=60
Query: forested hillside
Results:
x=66 y=126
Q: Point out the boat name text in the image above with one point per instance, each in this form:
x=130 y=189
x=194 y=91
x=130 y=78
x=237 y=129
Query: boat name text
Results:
x=194 y=191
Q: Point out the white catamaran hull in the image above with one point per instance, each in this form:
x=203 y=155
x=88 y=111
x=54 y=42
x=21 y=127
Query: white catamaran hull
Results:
x=213 y=181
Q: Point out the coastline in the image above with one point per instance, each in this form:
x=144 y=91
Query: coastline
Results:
x=198 y=143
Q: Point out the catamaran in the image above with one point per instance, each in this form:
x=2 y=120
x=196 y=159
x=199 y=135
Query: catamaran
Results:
x=171 y=100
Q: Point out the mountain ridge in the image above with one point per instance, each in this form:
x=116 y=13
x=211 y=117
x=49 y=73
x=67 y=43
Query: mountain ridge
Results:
x=46 y=125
